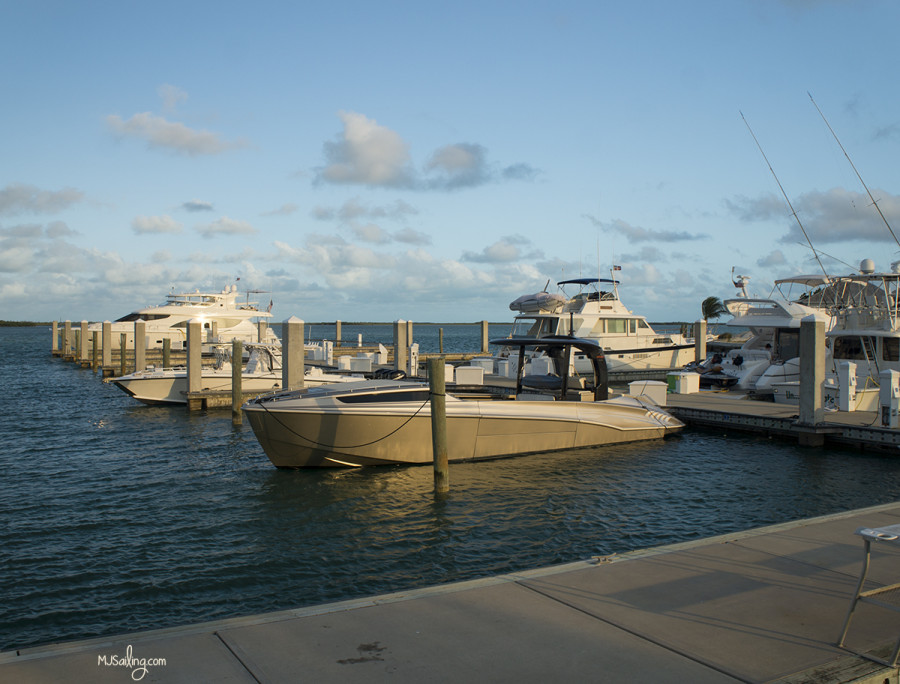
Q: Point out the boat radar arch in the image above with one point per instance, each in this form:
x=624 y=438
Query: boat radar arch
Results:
x=867 y=266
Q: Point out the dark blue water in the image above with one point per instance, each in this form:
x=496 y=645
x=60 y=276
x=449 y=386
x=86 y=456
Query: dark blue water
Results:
x=119 y=517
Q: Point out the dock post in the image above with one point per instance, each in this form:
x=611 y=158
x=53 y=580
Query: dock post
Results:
x=194 y=363
x=409 y=333
x=76 y=353
x=213 y=335
x=123 y=344
x=441 y=340
x=167 y=352
x=438 y=388
x=337 y=333
x=812 y=380
x=67 y=338
x=484 y=337
x=54 y=341
x=400 y=345
x=699 y=341
x=140 y=345
x=293 y=353
x=261 y=329
x=105 y=346
x=237 y=395
x=83 y=357
x=95 y=351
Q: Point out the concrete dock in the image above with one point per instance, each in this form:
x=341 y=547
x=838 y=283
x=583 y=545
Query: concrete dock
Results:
x=764 y=605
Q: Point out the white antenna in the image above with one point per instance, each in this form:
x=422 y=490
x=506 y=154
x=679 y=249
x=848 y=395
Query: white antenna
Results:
x=874 y=201
x=794 y=213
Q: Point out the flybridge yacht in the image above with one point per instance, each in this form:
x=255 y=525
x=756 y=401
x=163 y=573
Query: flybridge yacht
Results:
x=381 y=422
x=771 y=355
x=223 y=317
x=594 y=312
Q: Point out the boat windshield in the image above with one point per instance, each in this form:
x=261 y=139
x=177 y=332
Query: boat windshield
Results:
x=534 y=327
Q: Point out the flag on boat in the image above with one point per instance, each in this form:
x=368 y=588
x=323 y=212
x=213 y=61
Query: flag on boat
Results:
x=617 y=268
x=269 y=308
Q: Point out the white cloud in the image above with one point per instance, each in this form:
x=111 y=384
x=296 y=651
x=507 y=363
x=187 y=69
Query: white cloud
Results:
x=226 y=226
x=174 y=136
x=367 y=154
x=639 y=234
x=171 y=96
x=20 y=198
x=283 y=210
x=155 y=224
x=196 y=205
x=836 y=215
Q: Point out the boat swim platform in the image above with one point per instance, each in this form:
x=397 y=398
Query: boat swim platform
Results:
x=733 y=411
x=763 y=605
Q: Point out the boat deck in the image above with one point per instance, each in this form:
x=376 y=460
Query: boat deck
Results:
x=763 y=605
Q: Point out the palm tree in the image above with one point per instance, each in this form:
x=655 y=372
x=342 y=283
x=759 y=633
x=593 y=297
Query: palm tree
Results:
x=712 y=307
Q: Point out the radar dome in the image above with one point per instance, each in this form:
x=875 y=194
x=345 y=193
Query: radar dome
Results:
x=867 y=266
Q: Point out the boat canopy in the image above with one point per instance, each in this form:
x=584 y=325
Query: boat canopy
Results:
x=587 y=281
x=559 y=349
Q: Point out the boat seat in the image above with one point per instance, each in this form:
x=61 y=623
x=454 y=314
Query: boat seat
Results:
x=886 y=596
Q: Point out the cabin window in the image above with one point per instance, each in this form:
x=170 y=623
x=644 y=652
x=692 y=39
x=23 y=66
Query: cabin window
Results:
x=566 y=326
x=643 y=324
x=890 y=350
x=615 y=325
x=598 y=329
x=787 y=344
x=534 y=327
x=848 y=348
x=632 y=326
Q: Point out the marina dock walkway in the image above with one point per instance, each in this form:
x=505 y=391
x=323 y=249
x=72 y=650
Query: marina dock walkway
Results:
x=756 y=606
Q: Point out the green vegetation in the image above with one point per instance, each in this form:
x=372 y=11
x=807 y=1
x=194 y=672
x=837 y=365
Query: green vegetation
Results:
x=21 y=324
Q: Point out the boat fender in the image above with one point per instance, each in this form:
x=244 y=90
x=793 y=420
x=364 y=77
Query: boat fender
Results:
x=389 y=374
x=738 y=361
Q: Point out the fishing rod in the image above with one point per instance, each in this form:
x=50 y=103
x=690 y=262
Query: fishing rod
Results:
x=853 y=166
x=793 y=213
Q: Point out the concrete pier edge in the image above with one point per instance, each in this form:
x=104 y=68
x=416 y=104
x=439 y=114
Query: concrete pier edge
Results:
x=213 y=626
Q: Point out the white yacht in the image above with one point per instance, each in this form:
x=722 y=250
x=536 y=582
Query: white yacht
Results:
x=389 y=422
x=865 y=333
x=262 y=373
x=771 y=355
x=223 y=317
x=593 y=311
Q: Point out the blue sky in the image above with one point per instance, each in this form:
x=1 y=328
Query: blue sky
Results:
x=434 y=161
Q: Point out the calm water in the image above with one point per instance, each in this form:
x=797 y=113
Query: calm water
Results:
x=119 y=517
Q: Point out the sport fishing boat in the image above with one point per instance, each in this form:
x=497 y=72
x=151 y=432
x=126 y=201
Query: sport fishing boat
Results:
x=772 y=354
x=381 y=422
x=590 y=308
x=223 y=318
x=262 y=374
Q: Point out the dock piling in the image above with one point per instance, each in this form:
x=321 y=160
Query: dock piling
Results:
x=140 y=345
x=293 y=353
x=438 y=396
x=484 y=337
x=167 y=353
x=105 y=346
x=194 y=363
x=123 y=344
x=236 y=377
x=699 y=341
x=400 y=345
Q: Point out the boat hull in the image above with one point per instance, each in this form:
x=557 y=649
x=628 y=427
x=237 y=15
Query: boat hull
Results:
x=168 y=388
x=477 y=430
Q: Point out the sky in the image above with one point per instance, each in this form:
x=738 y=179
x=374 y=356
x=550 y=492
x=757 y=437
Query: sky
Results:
x=376 y=161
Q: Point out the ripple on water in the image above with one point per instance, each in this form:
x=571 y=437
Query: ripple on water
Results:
x=119 y=517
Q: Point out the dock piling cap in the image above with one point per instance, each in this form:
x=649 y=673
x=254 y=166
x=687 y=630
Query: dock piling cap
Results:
x=890 y=533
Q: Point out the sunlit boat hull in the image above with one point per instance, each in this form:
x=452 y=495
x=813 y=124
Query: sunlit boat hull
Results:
x=313 y=431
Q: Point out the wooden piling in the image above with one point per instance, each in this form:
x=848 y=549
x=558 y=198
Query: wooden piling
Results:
x=400 y=345
x=337 y=333
x=123 y=343
x=699 y=341
x=437 y=387
x=105 y=346
x=67 y=339
x=484 y=337
x=167 y=352
x=812 y=378
x=236 y=377
x=441 y=340
x=293 y=353
x=194 y=364
x=140 y=345
x=54 y=340
x=95 y=351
